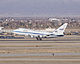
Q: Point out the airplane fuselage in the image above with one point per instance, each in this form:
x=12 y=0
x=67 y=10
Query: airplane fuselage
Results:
x=41 y=34
x=36 y=33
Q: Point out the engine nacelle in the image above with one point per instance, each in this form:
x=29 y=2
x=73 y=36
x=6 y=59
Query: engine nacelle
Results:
x=32 y=36
x=40 y=36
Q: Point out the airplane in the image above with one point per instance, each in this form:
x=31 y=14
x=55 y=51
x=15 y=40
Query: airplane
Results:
x=41 y=34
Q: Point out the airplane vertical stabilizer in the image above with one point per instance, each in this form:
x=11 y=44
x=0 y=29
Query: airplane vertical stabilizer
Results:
x=60 y=30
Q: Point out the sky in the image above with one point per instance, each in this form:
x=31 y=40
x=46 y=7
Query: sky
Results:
x=39 y=7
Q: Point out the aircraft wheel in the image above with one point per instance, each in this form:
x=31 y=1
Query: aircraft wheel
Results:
x=38 y=38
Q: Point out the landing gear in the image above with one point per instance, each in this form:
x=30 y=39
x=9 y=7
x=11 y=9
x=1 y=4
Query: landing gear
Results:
x=38 y=38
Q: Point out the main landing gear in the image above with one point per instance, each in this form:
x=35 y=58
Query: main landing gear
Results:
x=39 y=38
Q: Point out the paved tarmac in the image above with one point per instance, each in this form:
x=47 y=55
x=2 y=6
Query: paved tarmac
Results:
x=30 y=51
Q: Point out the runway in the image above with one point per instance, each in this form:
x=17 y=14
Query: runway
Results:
x=48 y=51
x=46 y=60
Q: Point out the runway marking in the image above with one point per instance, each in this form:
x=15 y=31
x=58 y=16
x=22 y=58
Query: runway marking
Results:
x=11 y=41
x=24 y=59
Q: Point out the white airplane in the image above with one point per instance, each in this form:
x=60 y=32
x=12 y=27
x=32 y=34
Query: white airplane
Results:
x=41 y=34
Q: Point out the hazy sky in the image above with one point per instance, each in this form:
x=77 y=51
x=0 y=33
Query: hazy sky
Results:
x=39 y=7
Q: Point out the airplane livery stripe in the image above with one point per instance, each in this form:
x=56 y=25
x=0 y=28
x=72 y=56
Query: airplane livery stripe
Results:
x=29 y=32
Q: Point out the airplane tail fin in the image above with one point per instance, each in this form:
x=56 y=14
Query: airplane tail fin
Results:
x=60 y=30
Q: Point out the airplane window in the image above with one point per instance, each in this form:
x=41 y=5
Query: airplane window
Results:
x=55 y=31
x=51 y=34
